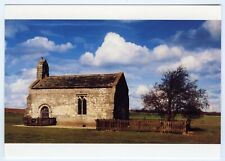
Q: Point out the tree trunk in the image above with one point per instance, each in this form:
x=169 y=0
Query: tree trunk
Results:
x=169 y=108
x=188 y=124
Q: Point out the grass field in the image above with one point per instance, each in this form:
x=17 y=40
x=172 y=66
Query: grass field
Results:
x=206 y=131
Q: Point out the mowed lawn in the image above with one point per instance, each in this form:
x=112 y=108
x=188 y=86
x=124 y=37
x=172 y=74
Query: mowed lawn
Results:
x=206 y=131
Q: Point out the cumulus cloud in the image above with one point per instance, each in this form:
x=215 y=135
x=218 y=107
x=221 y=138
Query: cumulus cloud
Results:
x=135 y=92
x=16 y=87
x=164 y=52
x=44 y=43
x=142 y=89
x=88 y=58
x=116 y=50
x=195 y=60
x=213 y=27
x=32 y=49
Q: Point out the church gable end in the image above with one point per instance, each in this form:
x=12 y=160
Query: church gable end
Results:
x=121 y=100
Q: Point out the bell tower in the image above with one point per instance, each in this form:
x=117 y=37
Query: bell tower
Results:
x=42 y=69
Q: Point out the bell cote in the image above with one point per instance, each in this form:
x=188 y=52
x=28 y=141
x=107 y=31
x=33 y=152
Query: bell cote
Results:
x=42 y=69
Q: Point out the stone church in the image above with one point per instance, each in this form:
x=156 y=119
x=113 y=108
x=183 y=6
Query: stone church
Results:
x=77 y=100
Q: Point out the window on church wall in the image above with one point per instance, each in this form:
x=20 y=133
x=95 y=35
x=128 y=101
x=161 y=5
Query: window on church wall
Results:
x=79 y=106
x=82 y=105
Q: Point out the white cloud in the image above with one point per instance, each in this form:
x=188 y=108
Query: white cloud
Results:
x=213 y=27
x=197 y=61
x=16 y=87
x=11 y=29
x=190 y=62
x=32 y=49
x=164 y=51
x=214 y=97
x=142 y=89
x=116 y=50
x=213 y=108
x=214 y=105
x=87 y=58
x=194 y=61
x=44 y=43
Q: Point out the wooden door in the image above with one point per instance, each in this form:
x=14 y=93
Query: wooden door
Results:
x=44 y=112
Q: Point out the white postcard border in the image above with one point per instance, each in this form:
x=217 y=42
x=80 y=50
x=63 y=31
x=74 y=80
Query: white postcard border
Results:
x=198 y=151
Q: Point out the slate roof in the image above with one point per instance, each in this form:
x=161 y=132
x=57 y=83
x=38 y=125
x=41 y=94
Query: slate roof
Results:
x=77 y=81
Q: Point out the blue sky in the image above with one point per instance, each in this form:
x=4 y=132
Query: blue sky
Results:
x=143 y=50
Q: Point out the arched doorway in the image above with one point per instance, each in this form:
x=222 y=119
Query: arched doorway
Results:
x=44 y=112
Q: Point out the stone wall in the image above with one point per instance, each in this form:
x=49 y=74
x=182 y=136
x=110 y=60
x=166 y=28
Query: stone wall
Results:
x=42 y=69
x=63 y=104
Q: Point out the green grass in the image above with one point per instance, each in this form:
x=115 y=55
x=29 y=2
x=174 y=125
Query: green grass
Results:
x=207 y=131
x=144 y=115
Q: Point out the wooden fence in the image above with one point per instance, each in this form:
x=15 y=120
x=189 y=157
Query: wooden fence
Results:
x=39 y=121
x=142 y=125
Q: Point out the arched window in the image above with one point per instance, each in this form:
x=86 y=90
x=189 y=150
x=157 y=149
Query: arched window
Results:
x=82 y=105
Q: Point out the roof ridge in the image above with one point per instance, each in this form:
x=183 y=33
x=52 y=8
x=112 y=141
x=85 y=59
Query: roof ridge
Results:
x=65 y=75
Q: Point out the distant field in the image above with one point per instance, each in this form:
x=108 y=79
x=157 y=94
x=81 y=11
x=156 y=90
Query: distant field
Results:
x=13 y=110
x=207 y=131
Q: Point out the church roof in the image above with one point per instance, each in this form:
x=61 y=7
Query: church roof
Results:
x=77 y=81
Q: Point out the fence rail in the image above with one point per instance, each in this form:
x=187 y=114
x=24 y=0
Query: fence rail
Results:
x=142 y=125
x=39 y=121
